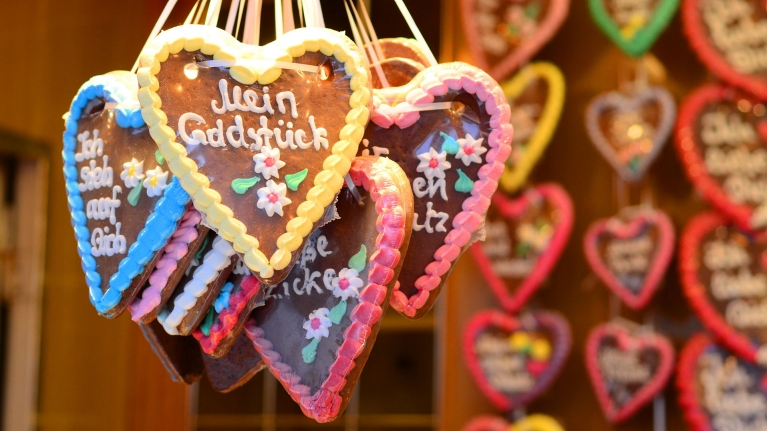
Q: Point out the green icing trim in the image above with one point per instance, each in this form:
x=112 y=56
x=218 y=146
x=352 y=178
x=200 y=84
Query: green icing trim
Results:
x=198 y=256
x=464 y=184
x=642 y=39
x=337 y=313
x=208 y=321
x=242 y=185
x=159 y=157
x=295 y=180
x=450 y=145
x=309 y=353
x=135 y=194
x=358 y=261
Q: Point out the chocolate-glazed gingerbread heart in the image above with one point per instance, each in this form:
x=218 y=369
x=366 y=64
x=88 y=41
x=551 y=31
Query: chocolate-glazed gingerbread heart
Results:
x=721 y=138
x=123 y=200
x=181 y=356
x=318 y=326
x=631 y=130
x=261 y=141
x=524 y=238
x=453 y=158
x=630 y=252
x=239 y=365
x=514 y=359
x=627 y=370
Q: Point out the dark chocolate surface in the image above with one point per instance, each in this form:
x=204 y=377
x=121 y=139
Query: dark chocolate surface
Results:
x=239 y=365
x=623 y=390
x=619 y=262
x=181 y=356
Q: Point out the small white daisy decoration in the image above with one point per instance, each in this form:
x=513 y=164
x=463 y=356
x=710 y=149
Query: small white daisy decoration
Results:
x=268 y=162
x=155 y=182
x=470 y=149
x=272 y=198
x=347 y=284
x=133 y=173
x=317 y=325
x=433 y=164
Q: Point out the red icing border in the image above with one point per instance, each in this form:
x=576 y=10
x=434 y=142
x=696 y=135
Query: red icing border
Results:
x=693 y=160
x=658 y=266
x=694 y=415
x=644 y=394
x=392 y=222
x=560 y=349
x=558 y=197
x=696 y=293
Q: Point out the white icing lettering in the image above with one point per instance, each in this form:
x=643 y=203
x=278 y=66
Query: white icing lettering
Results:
x=104 y=208
x=94 y=177
x=104 y=243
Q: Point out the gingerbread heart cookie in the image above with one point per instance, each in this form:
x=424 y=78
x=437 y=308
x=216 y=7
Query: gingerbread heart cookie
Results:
x=721 y=137
x=729 y=38
x=630 y=130
x=124 y=203
x=633 y=25
x=524 y=239
x=180 y=356
x=234 y=369
x=318 y=327
x=720 y=392
x=402 y=60
x=535 y=422
x=724 y=276
x=514 y=359
x=503 y=35
x=453 y=156
x=630 y=253
x=536 y=95
x=627 y=369
x=261 y=137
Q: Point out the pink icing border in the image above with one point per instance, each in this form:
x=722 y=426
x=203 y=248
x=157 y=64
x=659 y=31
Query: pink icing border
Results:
x=177 y=248
x=658 y=266
x=546 y=30
x=515 y=207
x=560 y=349
x=392 y=222
x=228 y=317
x=645 y=393
x=487 y=423
x=438 y=80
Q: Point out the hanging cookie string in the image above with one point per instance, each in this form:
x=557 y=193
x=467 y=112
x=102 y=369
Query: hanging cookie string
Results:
x=416 y=32
x=367 y=42
x=155 y=30
x=376 y=42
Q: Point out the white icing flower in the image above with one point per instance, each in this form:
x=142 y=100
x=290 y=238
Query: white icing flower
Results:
x=268 y=162
x=272 y=198
x=133 y=172
x=433 y=164
x=155 y=182
x=470 y=149
x=346 y=284
x=318 y=324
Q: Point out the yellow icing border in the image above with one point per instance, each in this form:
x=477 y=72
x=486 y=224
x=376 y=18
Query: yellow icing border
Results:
x=537 y=422
x=515 y=176
x=222 y=46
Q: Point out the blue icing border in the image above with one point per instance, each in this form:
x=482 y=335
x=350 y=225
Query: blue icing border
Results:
x=160 y=225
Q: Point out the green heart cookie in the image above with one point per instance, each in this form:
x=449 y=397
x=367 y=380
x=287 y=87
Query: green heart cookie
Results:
x=633 y=28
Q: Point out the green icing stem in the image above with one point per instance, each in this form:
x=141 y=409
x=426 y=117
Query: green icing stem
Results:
x=358 y=261
x=198 y=256
x=337 y=313
x=464 y=184
x=208 y=322
x=135 y=194
x=242 y=185
x=159 y=157
x=309 y=353
x=450 y=145
x=295 y=180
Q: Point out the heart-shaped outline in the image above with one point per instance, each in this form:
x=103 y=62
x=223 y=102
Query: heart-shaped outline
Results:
x=548 y=27
x=394 y=205
x=160 y=224
x=423 y=88
x=663 y=254
x=693 y=160
x=645 y=36
x=647 y=392
x=695 y=292
x=327 y=182
x=695 y=31
x=515 y=176
x=667 y=115
x=560 y=349
x=513 y=207
x=533 y=422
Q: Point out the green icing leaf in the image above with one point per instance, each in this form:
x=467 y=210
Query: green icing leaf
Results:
x=450 y=145
x=309 y=353
x=358 y=261
x=295 y=180
x=242 y=185
x=208 y=322
x=464 y=184
x=337 y=313
x=159 y=157
x=135 y=194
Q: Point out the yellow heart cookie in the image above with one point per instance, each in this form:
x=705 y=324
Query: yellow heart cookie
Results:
x=536 y=422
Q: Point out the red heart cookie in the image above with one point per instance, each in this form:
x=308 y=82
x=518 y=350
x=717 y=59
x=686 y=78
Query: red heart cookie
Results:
x=260 y=136
x=524 y=238
x=239 y=365
x=515 y=359
x=318 y=326
x=719 y=137
x=725 y=279
x=627 y=370
x=630 y=253
x=453 y=156
x=729 y=38
x=720 y=392
x=505 y=34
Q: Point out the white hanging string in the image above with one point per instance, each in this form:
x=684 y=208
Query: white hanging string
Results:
x=199 y=11
x=242 y=62
x=308 y=6
x=376 y=43
x=406 y=107
x=301 y=13
x=239 y=18
x=278 y=23
x=214 y=10
x=288 y=22
x=416 y=32
x=318 y=14
x=189 y=17
x=232 y=15
x=355 y=30
x=252 y=32
x=371 y=52
x=155 y=30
